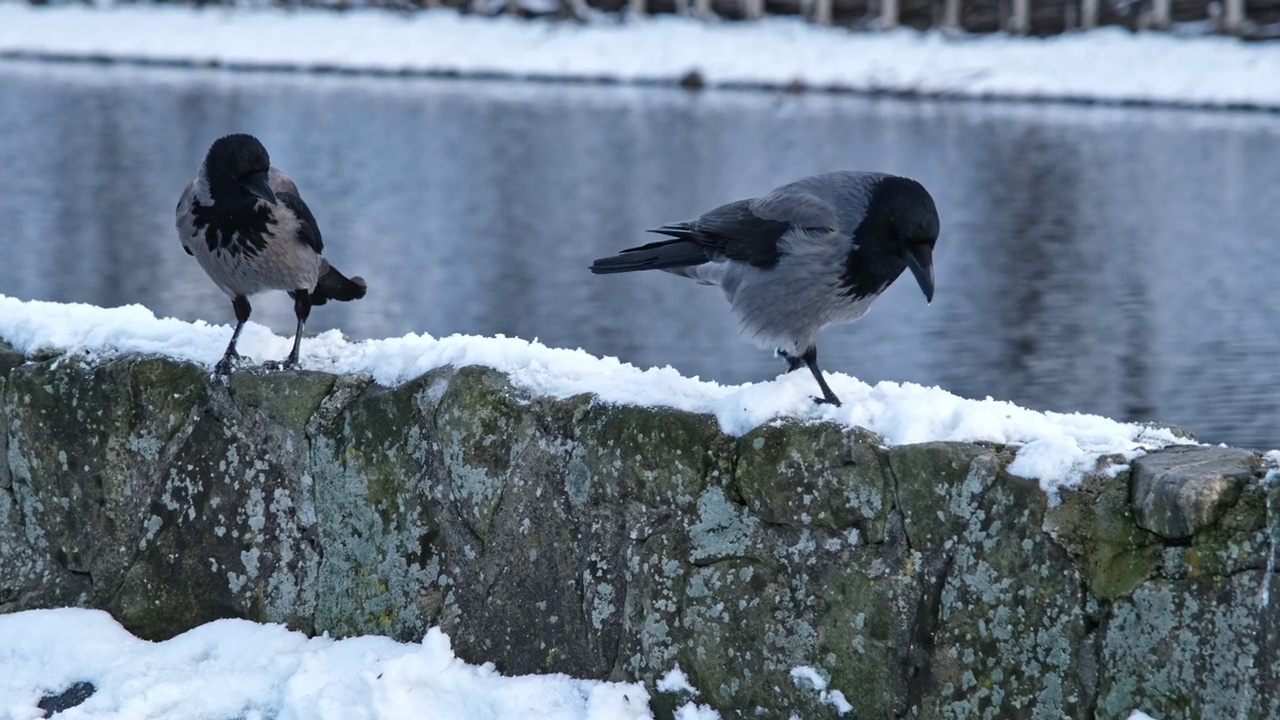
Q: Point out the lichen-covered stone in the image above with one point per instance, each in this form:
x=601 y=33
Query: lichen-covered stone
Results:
x=1095 y=523
x=286 y=398
x=88 y=448
x=1013 y=618
x=1200 y=648
x=604 y=541
x=1182 y=490
x=663 y=460
x=939 y=487
x=826 y=475
x=379 y=571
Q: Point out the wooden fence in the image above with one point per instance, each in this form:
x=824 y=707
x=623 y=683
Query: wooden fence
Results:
x=1250 y=19
x=1257 y=19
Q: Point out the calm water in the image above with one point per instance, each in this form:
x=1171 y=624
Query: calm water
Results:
x=1118 y=261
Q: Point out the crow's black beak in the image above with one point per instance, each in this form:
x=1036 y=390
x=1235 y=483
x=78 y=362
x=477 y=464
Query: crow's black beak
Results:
x=256 y=183
x=920 y=259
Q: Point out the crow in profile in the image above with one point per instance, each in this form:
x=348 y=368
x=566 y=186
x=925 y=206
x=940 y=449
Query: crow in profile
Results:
x=247 y=226
x=809 y=254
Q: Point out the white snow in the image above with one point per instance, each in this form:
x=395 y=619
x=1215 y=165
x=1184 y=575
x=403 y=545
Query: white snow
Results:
x=803 y=675
x=236 y=668
x=1056 y=448
x=1139 y=715
x=1109 y=64
x=675 y=681
x=691 y=711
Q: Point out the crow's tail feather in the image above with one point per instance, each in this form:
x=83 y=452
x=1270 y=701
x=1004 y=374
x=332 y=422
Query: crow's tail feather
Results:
x=660 y=255
x=333 y=285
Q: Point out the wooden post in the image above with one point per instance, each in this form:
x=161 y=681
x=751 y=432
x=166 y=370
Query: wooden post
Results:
x=888 y=14
x=951 y=14
x=1161 y=14
x=822 y=12
x=753 y=9
x=703 y=9
x=637 y=8
x=1088 y=14
x=1233 y=22
x=1020 y=20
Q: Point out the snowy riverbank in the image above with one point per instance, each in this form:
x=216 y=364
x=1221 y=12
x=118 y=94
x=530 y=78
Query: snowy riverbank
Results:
x=1108 y=65
x=236 y=668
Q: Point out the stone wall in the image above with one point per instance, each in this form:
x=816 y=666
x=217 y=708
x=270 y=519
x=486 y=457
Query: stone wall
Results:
x=613 y=542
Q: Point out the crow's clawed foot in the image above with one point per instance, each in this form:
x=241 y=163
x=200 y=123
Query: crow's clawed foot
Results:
x=229 y=362
x=832 y=400
x=288 y=363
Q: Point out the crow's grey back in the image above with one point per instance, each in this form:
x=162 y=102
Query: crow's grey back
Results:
x=836 y=201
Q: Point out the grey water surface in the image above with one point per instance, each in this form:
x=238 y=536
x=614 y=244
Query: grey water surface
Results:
x=1123 y=261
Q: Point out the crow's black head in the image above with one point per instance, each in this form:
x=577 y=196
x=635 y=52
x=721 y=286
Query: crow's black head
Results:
x=898 y=233
x=913 y=225
x=236 y=167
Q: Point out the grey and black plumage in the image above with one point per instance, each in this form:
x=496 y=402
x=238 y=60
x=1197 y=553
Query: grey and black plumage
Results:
x=809 y=254
x=250 y=230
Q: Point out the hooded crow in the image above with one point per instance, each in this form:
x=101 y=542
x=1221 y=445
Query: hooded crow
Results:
x=812 y=253
x=247 y=226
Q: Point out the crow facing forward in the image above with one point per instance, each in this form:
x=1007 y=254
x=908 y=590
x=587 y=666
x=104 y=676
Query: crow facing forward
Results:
x=247 y=226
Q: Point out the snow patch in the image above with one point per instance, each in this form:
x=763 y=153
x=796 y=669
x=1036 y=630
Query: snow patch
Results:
x=691 y=711
x=1271 y=461
x=675 y=681
x=805 y=676
x=236 y=668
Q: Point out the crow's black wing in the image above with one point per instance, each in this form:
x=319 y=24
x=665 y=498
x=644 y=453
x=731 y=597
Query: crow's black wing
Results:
x=750 y=230
x=308 y=231
x=732 y=231
x=287 y=194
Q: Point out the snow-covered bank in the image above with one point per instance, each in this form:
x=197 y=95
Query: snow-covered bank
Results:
x=236 y=668
x=1108 y=65
x=1055 y=448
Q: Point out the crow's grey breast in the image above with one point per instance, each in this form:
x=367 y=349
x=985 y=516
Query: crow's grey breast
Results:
x=247 y=225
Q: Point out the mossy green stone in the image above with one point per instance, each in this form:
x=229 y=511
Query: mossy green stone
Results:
x=792 y=473
x=660 y=457
x=939 y=487
x=1096 y=523
x=9 y=358
x=286 y=397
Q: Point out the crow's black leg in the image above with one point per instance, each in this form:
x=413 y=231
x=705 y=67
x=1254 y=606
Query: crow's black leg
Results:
x=810 y=358
x=793 y=362
x=301 y=308
x=241 y=305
